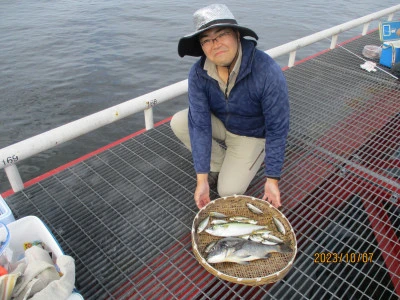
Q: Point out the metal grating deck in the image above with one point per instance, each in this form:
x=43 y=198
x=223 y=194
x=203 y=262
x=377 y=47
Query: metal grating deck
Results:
x=125 y=214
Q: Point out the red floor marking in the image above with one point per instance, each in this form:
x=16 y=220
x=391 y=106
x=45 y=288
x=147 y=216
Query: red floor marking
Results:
x=373 y=198
x=160 y=269
x=387 y=240
x=306 y=177
x=352 y=132
x=373 y=179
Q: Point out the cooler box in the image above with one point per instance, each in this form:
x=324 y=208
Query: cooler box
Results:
x=390 y=53
x=389 y=33
x=29 y=229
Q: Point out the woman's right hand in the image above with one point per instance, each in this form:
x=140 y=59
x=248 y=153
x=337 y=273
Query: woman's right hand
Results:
x=202 y=193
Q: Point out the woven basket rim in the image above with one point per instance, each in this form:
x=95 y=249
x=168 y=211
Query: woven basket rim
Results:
x=215 y=268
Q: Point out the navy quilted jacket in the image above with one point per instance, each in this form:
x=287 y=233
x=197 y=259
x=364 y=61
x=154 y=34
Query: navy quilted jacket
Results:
x=257 y=106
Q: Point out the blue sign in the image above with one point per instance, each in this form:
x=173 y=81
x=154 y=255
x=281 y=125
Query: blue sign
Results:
x=389 y=31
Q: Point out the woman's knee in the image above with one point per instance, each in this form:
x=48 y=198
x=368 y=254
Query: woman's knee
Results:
x=179 y=122
x=225 y=190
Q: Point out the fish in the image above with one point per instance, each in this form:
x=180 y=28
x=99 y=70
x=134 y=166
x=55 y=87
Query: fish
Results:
x=266 y=242
x=254 y=209
x=218 y=221
x=217 y=215
x=279 y=226
x=203 y=224
x=210 y=246
x=238 y=218
x=273 y=238
x=261 y=231
x=232 y=229
x=256 y=238
x=243 y=220
x=265 y=235
x=237 y=250
x=245 y=236
x=269 y=237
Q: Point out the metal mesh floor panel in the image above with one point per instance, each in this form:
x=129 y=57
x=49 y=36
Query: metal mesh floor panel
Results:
x=125 y=214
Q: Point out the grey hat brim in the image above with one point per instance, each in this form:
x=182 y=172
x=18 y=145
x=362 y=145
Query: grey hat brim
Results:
x=190 y=45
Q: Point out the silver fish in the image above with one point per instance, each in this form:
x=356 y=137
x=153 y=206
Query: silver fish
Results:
x=256 y=238
x=273 y=238
x=239 y=218
x=210 y=246
x=243 y=220
x=261 y=231
x=233 y=229
x=203 y=224
x=218 y=221
x=237 y=250
x=279 y=226
x=266 y=242
x=245 y=236
x=254 y=209
x=265 y=235
x=217 y=214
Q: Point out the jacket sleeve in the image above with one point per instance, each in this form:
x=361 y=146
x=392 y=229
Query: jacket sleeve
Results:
x=199 y=123
x=275 y=105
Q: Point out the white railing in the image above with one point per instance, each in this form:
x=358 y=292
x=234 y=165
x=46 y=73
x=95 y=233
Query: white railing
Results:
x=10 y=155
x=332 y=33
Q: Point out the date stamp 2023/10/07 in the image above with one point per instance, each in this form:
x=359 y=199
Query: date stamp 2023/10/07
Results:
x=345 y=257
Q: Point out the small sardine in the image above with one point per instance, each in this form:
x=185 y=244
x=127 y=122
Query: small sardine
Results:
x=218 y=221
x=217 y=214
x=254 y=209
x=245 y=236
x=210 y=246
x=232 y=229
x=203 y=224
x=273 y=238
x=256 y=238
x=266 y=242
x=243 y=220
x=261 y=231
x=279 y=226
x=265 y=235
x=238 y=218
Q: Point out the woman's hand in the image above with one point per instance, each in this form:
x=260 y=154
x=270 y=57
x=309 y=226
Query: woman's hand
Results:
x=272 y=193
x=202 y=193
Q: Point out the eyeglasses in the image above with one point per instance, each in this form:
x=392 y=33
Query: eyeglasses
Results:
x=220 y=37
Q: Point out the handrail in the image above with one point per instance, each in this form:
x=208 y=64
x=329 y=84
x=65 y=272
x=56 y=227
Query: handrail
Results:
x=14 y=153
x=331 y=32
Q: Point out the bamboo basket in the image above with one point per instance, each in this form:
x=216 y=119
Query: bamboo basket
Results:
x=258 y=272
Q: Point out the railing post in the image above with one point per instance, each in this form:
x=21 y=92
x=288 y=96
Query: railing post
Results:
x=14 y=178
x=292 y=59
x=390 y=18
x=334 y=41
x=148 y=118
x=365 y=28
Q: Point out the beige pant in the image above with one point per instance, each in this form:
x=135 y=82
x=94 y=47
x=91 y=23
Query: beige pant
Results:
x=237 y=165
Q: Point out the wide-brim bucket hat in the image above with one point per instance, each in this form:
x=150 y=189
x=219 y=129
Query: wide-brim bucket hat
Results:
x=214 y=15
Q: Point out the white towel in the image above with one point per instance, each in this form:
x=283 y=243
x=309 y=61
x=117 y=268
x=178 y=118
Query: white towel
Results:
x=40 y=278
x=62 y=288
